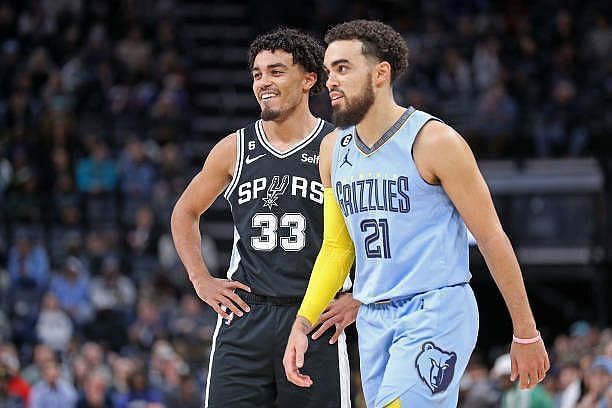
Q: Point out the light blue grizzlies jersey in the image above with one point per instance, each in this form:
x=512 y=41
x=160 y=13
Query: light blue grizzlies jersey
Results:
x=408 y=235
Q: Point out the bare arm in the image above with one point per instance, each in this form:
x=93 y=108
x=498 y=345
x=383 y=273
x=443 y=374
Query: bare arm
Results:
x=326 y=150
x=201 y=192
x=456 y=170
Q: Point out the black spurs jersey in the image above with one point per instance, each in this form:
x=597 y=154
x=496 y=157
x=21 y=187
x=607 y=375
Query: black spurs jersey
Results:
x=277 y=206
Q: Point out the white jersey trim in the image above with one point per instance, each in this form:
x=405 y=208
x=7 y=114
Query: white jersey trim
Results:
x=345 y=373
x=210 y=360
x=235 y=258
x=263 y=139
x=237 y=165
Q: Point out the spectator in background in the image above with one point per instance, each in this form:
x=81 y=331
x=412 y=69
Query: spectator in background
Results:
x=113 y=296
x=96 y=391
x=72 y=286
x=33 y=372
x=112 y=290
x=99 y=242
x=561 y=128
x=54 y=327
x=143 y=236
x=495 y=118
x=121 y=369
x=28 y=264
x=191 y=328
x=24 y=200
x=486 y=64
x=455 y=76
x=8 y=399
x=90 y=358
x=478 y=389
x=598 y=381
x=96 y=173
x=6 y=170
x=171 y=162
x=133 y=51
x=148 y=325
x=166 y=118
x=5 y=324
x=187 y=395
x=53 y=391
x=165 y=369
x=569 y=385
x=16 y=385
x=142 y=240
x=140 y=393
x=136 y=173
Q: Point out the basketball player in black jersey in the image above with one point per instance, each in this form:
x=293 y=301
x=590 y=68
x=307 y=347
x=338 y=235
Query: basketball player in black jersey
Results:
x=268 y=171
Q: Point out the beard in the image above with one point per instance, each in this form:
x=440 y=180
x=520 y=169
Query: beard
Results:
x=269 y=114
x=356 y=108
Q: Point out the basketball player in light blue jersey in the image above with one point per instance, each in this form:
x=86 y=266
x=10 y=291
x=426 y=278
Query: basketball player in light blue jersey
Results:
x=400 y=188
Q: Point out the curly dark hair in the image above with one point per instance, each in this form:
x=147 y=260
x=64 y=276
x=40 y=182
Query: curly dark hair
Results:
x=306 y=51
x=379 y=41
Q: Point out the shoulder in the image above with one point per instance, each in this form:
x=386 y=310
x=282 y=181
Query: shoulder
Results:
x=438 y=146
x=223 y=154
x=436 y=135
x=329 y=140
x=226 y=145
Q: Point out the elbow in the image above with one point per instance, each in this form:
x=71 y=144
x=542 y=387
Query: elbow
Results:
x=183 y=216
x=178 y=214
x=492 y=238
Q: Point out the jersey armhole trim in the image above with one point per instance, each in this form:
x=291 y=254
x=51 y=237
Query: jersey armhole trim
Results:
x=237 y=165
x=424 y=183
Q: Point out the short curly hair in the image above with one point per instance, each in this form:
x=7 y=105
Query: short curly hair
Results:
x=306 y=51
x=379 y=41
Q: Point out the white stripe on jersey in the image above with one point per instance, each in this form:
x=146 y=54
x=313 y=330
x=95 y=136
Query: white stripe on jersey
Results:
x=238 y=165
x=345 y=373
x=210 y=359
x=235 y=258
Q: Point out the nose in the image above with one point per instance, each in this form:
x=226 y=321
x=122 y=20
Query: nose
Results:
x=262 y=82
x=332 y=81
x=265 y=80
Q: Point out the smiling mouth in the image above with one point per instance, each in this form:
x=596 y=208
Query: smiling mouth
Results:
x=335 y=99
x=266 y=96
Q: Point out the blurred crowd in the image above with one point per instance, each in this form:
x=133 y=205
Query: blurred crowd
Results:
x=95 y=310
x=95 y=113
x=580 y=375
x=521 y=78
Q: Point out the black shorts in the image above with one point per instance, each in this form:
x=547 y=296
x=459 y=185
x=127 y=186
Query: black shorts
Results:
x=246 y=362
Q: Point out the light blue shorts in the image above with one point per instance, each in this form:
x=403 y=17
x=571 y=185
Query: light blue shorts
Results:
x=417 y=348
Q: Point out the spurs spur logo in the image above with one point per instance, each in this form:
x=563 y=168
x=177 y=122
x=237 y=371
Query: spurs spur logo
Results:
x=277 y=188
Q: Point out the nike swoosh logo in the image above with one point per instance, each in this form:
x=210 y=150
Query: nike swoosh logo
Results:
x=250 y=160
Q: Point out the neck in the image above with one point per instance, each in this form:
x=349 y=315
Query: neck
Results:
x=291 y=128
x=383 y=113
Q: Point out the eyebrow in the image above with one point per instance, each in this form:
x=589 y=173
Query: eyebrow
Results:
x=272 y=66
x=339 y=61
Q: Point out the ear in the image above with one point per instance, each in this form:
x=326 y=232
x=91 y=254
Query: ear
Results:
x=310 y=79
x=382 y=73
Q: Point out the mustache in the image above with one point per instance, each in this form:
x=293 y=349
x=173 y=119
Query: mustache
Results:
x=267 y=89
